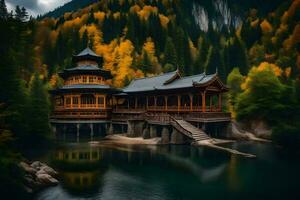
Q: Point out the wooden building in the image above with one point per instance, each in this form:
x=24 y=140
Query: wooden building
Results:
x=87 y=98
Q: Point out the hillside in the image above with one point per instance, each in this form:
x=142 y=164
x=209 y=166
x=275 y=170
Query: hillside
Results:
x=138 y=38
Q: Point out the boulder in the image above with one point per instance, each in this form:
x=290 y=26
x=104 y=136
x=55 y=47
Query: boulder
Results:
x=48 y=170
x=46 y=180
x=36 y=165
x=27 y=168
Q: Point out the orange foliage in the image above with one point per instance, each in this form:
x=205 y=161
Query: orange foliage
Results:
x=146 y=11
x=99 y=16
x=295 y=7
x=164 y=20
x=254 y=23
x=266 y=27
x=264 y=66
x=135 y=9
x=296 y=34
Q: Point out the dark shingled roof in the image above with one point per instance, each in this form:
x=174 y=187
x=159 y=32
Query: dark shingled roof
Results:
x=86 y=52
x=168 y=81
x=85 y=88
x=86 y=69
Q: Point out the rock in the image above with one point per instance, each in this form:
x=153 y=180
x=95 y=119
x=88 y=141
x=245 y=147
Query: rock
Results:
x=48 y=170
x=27 y=168
x=36 y=165
x=261 y=129
x=46 y=180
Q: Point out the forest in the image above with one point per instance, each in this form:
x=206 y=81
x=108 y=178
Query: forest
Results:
x=254 y=49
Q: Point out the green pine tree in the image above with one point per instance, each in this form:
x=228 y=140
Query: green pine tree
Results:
x=38 y=109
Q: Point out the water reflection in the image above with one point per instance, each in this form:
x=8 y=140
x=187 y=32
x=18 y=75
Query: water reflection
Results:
x=110 y=171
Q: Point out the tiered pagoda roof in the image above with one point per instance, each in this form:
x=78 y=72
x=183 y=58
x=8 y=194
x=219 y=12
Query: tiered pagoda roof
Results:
x=85 y=55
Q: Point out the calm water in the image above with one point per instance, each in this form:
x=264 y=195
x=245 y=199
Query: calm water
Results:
x=172 y=172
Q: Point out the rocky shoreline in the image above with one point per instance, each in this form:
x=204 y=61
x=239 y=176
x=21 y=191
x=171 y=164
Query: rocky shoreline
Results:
x=38 y=175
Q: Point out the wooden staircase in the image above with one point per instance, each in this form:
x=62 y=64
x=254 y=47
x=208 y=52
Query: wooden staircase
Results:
x=189 y=130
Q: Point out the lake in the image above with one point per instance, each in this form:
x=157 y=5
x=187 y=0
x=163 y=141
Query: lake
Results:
x=111 y=172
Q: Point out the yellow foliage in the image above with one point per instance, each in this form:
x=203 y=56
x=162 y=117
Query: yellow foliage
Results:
x=287 y=71
x=296 y=34
x=93 y=33
x=288 y=43
x=135 y=9
x=146 y=11
x=254 y=23
x=54 y=80
x=67 y=15
x=264 y=66
x=295 y=7
x=116 y=15
x=266 y=27
x=149 y=47
x=99 y=16
x=193 y=49
x=163 y=20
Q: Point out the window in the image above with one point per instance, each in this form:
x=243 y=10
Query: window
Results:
x=75 y=100
x=100 y=100
x=68 y=100
x=84 y=79
x=91 y=79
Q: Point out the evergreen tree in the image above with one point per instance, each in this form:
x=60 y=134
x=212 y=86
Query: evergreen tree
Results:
x=21 y=14
x=203 y=47
x=39 y=110
x=146 y=65
x=170 y=56
x=214 y=62
x=3 y=10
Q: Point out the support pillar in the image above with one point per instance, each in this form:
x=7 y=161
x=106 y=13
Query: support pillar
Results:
x=92 y=132
x=77 y=129
x=176 y=137
x=135 y=102
x=203 y=101
x=210 y=103
x=220 y=102
x=191 y=102
x=153 y=131
x=179 y=102
x=166 y=102
x=165 y=136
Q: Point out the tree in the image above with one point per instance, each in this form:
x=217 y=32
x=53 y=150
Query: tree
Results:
x=262 y=96
x=3 y=10
x=234 y=81
x=170 y=56
x=21 y=14
x=39 y=111
x=203 y=48
x=214 y=62
x=146 y=64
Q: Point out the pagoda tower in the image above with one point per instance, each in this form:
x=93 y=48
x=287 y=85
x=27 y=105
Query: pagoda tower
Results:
x=83 y=104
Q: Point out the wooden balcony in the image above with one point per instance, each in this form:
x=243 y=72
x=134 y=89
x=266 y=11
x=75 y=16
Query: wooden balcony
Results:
x=87 y=114
x=169 y=109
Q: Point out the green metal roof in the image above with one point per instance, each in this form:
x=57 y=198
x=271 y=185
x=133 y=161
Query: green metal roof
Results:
x=167 y=81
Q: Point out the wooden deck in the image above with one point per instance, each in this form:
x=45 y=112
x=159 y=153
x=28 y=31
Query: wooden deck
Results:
x=164 y=118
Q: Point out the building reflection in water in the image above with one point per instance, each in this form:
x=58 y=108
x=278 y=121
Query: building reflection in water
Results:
x=84 y=168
